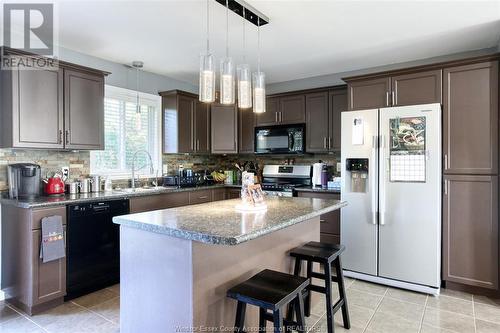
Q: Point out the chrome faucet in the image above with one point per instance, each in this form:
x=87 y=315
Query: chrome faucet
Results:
x=151 y=166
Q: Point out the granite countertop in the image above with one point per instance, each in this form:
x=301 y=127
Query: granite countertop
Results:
x=317 y=189
x=220 y=223
x=69 y=199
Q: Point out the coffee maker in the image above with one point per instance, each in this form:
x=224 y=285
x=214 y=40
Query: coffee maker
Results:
x=24 y=180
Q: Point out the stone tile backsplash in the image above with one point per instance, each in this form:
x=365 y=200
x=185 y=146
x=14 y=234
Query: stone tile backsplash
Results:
x=79 y=161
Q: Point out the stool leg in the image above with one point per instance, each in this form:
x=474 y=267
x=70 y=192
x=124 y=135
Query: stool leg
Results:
x=328 y=297
x=278 y=321
x=240 y=316
x=340 y=278
x=262 y=320
x=296 y=272
x=307 y=307
x=299 y=312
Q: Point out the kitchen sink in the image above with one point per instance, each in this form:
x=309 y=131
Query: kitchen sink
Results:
x=144 y=189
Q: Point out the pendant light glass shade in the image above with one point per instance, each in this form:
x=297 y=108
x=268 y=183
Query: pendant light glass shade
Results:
x=244 y=86
x=227 y=87
x=207 y=79
x=259 y=92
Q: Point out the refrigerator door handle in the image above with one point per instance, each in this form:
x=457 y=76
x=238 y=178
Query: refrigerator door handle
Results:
x=373 y=179
x=382 y=174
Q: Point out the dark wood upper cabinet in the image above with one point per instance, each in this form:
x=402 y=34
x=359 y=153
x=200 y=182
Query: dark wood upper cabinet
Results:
x=317 y=122
x=37 y=113
x=417 y=88
x=470 y=119
x=202 y=128
x=470 y=230
x=287 y=109
x=338 y=103
x=292 y=109
x=59 y=108
x=224 y=129
x=84 y=110
x=270 y=117
x=246 y=132
x=369 y=94
x=179 y=113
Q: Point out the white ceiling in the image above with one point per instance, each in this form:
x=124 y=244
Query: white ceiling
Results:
x=305 y=38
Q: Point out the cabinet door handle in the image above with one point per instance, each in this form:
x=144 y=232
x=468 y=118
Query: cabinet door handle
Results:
x=386 y=98
x=203 y=197
x=322 y=221
x=67 y=136
x=281 y=116
x=445 y=187
x=60 y=140
x=393 y=95
x=329 y=142
x=446 y=161
x=276 y=116
x=324 y=142
x=197 y=145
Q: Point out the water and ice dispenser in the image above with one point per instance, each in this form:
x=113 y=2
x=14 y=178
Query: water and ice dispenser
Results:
x=357 y=174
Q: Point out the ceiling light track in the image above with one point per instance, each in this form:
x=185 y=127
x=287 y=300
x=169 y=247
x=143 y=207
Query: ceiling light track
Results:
x=250 y=14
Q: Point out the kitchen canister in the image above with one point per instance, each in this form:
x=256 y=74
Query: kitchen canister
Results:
x=96 y=183
x=85 y=185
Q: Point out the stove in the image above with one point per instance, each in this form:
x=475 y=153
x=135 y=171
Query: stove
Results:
x=281 y=180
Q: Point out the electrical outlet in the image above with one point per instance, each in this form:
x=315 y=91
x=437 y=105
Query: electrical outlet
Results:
x=65 y=172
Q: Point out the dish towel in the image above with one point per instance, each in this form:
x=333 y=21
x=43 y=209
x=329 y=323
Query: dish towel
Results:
x=52 y=239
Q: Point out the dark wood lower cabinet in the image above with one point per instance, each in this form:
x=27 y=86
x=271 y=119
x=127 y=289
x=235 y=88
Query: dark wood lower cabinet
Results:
x=329 y=222
x=28 y=283
x=470 y=230
x=233 y=193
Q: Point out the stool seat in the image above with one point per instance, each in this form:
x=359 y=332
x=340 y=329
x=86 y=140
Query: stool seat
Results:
x=269 y=289
x=318 y=252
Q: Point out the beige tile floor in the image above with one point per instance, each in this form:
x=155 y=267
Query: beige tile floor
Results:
x=373 y=309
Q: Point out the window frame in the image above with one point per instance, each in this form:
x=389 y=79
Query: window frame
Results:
x=145 y=99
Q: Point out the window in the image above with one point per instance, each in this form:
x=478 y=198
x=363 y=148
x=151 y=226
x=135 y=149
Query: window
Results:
x=126 y=132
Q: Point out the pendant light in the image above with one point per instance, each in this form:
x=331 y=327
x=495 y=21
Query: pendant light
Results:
x=137 y=65
x=244 y=77
x=207 y=70
x=259 y=81
x=227 y=70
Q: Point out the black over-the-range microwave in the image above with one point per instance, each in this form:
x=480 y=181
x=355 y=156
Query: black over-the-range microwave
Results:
x=280 y=139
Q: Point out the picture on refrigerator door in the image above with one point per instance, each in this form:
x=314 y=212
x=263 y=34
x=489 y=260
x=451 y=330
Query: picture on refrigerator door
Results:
x=407 y=149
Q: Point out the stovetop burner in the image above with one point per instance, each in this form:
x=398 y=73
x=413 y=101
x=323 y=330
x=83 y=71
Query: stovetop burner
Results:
x=280 y=186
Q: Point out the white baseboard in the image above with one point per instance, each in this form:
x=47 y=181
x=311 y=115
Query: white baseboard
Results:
x=393 y=283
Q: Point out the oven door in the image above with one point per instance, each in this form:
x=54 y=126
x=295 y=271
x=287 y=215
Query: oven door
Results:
x=280 y=139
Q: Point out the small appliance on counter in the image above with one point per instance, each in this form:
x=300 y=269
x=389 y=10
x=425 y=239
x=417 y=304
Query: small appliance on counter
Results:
x=317 y=174
x=54 y=185
x=24 y=180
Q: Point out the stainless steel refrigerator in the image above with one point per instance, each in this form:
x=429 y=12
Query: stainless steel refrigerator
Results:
x=391 y=179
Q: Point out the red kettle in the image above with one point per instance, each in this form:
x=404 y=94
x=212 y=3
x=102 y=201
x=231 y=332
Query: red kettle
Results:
x=54 y=185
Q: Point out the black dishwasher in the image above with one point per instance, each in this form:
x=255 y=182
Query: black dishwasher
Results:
x=93 y=246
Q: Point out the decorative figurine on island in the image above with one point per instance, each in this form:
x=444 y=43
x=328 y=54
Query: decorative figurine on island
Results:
x=252 y=197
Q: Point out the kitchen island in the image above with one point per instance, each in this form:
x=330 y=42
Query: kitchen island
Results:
x=176 y=264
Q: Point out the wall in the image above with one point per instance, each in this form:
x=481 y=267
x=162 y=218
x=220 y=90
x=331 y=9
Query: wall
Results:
x=336 y=78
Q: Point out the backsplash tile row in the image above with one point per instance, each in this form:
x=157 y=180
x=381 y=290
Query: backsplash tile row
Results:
x=79 y=161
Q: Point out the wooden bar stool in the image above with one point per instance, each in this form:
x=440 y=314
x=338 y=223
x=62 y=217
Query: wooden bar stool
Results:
x=326 y=255
x=271 y=291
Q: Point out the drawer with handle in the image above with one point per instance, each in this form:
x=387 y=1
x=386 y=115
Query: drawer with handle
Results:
x=198 y=197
